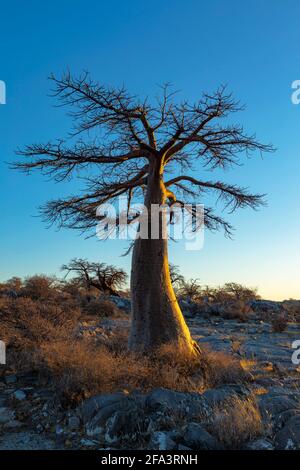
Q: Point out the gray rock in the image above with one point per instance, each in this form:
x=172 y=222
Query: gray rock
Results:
x=73 y=423
x=121 y=302
x=288 y=438
x=196 y=437
x=91 y=407
x=218 y=395
x=20 y=395
x=12 y=425
x=161 y=441
x=191 y=404
x=10 y=379
x=270 y=406
x=96 y=425
x=88 y=443
x=25 y=441
x=59 y=430
x=6 y=414
x=266 y=306
x=259 y=444
x=282 y=418
x=122 y=425
x=182 y=447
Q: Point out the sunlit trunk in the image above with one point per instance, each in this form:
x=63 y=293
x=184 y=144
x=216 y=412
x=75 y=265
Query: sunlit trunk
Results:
x=156 y=315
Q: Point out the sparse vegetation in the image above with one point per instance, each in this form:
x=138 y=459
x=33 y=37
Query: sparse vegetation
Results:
x=75 y=339
x=45 y=336
x=236 y=422
x=279 y=323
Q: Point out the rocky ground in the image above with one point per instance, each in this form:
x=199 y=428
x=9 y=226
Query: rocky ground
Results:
x=31 y=416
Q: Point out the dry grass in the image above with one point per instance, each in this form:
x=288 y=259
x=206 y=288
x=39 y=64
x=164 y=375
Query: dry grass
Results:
x=81 y=368
x=220 y=368
x=236 y=422
x=26 y=323
x=43 y=336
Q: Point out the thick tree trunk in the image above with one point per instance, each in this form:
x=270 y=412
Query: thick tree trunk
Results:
x=156 y=315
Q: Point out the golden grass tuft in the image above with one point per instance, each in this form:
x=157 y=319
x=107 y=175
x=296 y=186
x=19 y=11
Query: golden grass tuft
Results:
x=236 y=422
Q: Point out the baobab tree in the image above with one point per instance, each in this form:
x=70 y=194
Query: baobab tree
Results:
x=177 y=278
x=104 y=277
x=128 y=146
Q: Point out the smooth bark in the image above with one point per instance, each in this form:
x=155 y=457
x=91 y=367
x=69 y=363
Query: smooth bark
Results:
x=156 y=315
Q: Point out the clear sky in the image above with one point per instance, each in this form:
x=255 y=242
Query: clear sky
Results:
x=253 y=46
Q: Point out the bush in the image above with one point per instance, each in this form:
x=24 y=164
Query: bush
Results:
x=292 y=308
x=236 y=422
x=39 y=287
x=236 y=310
x=27 y=323
x=279 y=323
x=219 y=368
x=82 y=368
x=101 y=307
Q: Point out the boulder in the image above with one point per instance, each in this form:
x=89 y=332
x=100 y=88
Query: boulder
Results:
x=259 y=444
x=161 y=441
x=218 y=395
x=125 y=407
x=10 y=379
x=121 y=302
x=88 y=443
x=165 y=400
x=270 y=406
x=196 y=437
x=123 y=425
x=282 y=418
x=12 y=425
x=6 y=414
x=288 y=438
x=91 y=407
x=73 y=423
x=19 y=395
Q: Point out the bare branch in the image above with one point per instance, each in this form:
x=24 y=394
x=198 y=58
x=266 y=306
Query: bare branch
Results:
x=134 y=140
x=234 y=195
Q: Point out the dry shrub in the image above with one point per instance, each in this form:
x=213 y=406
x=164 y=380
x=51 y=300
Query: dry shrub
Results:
x=43 y=335
x=82 y=368
x=101 y=308
x=238 y=309
x=279 y=323
x=220 y=368
x=117 y=342
x=237 y=421
x=26 y=323
x=39 y=286
x=292 y=308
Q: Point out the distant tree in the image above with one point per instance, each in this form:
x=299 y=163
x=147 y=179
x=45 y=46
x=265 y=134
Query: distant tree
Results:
x=130 y=145
x=106 y=278
x=15 y=283
x=239 y=292
x=176 y=277
x=81 y=269
x=191 y=289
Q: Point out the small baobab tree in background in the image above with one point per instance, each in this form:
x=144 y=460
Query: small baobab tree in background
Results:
x=176 y=277
x=130 y=146
x=104 y=277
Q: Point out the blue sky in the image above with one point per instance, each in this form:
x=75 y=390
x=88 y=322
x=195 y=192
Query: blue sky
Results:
x=252 y=46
